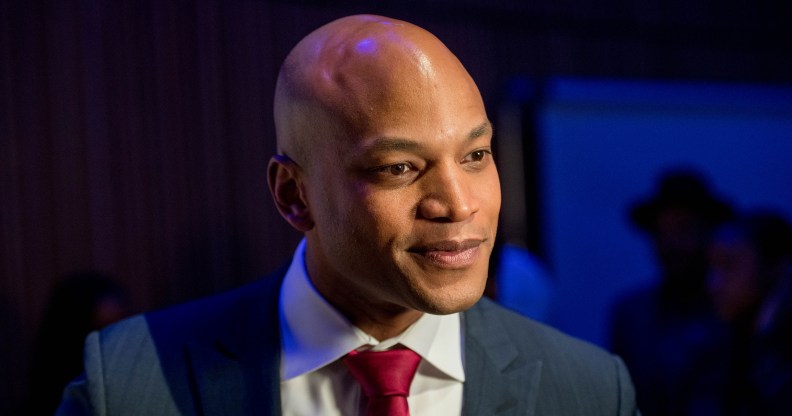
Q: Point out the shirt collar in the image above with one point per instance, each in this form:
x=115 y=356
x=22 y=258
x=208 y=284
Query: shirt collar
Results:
x=315 y=334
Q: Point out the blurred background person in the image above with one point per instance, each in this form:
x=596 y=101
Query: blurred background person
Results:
x=656 y=328
x=748 y=258
x=745 y=368
x=772 y=371
x=79 y=304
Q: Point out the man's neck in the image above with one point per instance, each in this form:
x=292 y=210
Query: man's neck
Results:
x=387 y=327
x=380 y=321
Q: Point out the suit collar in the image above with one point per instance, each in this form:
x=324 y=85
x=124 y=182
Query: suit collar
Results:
x=499 y=380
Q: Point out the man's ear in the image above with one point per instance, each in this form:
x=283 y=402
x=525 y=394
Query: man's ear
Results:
x=283 y=177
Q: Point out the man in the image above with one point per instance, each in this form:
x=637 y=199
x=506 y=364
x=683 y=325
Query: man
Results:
x=657 y=328
x=384 y=163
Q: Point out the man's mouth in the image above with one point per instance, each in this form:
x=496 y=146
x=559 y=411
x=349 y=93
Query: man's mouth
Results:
x=449 y=254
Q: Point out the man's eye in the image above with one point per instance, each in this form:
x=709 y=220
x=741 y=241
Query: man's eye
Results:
x=477 y=156
x=398 y=169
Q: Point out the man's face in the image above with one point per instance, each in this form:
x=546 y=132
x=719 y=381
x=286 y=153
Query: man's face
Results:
x=406 y=204
x=734 y=277
x=680 y=242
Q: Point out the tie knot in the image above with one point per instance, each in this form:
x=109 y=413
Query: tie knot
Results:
x=383 y=373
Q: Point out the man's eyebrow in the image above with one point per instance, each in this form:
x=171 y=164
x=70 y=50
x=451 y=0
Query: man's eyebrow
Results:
x=481 y=130
x=386 y=143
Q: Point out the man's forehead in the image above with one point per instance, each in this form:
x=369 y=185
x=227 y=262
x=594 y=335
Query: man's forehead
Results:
x=368 y=73
x=374 y=59
x=377 y=50
x=363 y=36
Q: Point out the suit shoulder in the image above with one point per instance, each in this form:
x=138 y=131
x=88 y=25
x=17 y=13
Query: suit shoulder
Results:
x=577 y=377
x=194 y=319
x=538 y=341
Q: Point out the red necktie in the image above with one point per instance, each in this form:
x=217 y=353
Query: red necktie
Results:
x=385 y=377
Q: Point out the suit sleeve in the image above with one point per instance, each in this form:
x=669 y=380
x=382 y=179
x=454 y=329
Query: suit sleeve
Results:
x=627 y=404
x=85 y=395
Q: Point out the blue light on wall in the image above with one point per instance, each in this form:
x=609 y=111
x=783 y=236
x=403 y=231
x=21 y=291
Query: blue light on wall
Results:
x=602 y=145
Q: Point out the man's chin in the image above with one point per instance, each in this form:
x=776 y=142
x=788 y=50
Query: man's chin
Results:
x=449 y=303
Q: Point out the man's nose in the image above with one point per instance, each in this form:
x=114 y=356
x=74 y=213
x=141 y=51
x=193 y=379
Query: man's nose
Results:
x=448 y=195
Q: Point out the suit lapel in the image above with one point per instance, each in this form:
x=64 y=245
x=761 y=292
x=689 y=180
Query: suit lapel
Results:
x=219 y=380
x=498 y=380
x=237 y=372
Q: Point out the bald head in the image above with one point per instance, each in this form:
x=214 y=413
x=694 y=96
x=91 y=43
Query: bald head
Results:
x=389 y=172
x=358 y=71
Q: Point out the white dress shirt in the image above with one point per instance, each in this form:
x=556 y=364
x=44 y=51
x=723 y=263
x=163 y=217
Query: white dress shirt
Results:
x=314 y=336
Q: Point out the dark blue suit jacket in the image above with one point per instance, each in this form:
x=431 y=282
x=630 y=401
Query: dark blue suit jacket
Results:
x=221 y=356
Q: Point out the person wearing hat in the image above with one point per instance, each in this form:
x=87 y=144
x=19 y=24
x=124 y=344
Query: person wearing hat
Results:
x=746 y=367
x=655 y=328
